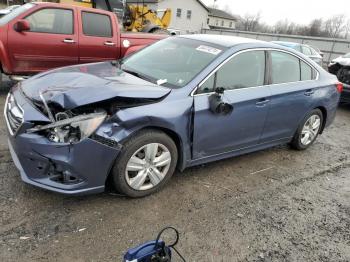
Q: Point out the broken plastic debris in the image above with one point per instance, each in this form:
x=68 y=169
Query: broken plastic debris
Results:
x=82 y=229
x=24 y=238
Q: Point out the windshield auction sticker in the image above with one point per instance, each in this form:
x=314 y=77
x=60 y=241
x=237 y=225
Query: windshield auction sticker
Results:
x=208 y=49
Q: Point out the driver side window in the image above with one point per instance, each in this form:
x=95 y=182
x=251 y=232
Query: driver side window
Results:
x=243 y=70
x=51 y=20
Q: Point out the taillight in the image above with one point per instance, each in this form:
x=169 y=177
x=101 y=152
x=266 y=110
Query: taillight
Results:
x=340 y=87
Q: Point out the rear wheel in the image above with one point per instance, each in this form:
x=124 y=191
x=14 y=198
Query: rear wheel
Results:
x=145 y=164
x=308 y=130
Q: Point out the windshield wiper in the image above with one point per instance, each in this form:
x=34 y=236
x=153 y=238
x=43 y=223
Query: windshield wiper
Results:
x=131 y=72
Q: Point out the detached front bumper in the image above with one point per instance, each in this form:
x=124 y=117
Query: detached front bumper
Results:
x=72 y=169
x=69 y=169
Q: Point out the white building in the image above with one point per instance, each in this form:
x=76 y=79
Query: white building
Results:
x=191 y=16
x=188 y=16
x=220 y=19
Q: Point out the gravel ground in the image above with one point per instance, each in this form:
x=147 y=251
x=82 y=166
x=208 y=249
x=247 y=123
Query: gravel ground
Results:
x=273 y=205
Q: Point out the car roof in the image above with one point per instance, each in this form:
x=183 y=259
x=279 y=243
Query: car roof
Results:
x=289 y=44
x=222 y=40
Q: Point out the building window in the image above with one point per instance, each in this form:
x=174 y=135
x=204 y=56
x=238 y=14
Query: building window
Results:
x=189 y=14
x=178 y=12
x=208 y=21
x=216 y=22
x=231 y=24
x=222 y=23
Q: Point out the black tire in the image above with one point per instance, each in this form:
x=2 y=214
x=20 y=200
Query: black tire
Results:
x=132 y=145
x=296 y=141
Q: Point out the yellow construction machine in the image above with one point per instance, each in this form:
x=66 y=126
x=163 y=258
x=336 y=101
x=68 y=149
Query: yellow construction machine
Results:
x=136 y=17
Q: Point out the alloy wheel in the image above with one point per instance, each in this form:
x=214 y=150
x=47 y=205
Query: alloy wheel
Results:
x=148 y=166
x=310 y=130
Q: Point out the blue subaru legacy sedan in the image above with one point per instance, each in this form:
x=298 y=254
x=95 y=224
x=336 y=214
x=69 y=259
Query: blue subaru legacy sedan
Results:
x=180 y=102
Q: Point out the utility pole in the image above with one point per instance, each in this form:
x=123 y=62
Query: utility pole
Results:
x=214 y=5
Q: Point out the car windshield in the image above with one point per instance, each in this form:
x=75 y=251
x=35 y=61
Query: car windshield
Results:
x=16 y=12
x=347 y=55
x=172 y=62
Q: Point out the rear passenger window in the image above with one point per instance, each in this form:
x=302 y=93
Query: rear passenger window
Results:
x=285 y=68
x=51 y=20
x=96 y=25
x=306 y=71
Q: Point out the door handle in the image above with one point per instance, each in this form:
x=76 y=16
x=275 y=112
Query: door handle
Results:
x=262 y=102
x=68 y=41
x=309 y=92
x=109 y=43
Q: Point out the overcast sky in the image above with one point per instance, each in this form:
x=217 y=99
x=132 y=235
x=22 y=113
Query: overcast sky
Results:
x=299 y=11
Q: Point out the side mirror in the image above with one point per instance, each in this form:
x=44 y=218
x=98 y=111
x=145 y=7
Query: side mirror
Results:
x=22 y=25
x=217 y=105
x=219 y=90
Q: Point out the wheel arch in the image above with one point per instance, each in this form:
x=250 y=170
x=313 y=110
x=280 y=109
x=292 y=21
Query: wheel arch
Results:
x=325 y=115
x=174 y=136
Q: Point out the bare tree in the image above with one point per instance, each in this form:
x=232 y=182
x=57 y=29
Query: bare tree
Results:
x=315 y=27
x=335 y=26
x=347 y=29
x=285 y=27
x=249 y=22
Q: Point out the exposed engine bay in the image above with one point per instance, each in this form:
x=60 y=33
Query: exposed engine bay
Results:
x=341 y=68
x=71 y=126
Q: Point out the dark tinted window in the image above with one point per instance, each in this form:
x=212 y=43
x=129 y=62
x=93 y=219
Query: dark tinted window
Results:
x=306 y=71
x=244 y=70
x=178 y=12
x=51 y=20
x=96 y=25
x=285 y=68
x=189 y=14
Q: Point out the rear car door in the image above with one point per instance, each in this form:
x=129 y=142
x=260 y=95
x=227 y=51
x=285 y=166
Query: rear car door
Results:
x=99 y=36
x=242 y=77
x=51 y=41
x=292 y=94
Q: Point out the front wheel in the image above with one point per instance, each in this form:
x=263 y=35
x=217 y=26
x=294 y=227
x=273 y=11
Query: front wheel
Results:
x=145 y=164
x=308 y=130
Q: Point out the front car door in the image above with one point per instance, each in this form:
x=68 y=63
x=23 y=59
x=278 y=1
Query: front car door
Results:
x=51 y=41
x=243 y=77
x=292 y=92
x=99 y=38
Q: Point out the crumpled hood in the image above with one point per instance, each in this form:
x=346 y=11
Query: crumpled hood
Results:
x=344 y=61
x=75 y=86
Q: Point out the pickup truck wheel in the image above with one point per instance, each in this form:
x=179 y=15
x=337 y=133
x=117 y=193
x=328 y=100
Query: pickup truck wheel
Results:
x=160 y=31
x=145 y=164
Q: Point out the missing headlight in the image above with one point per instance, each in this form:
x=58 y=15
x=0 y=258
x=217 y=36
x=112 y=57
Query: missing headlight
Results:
x=71 y=129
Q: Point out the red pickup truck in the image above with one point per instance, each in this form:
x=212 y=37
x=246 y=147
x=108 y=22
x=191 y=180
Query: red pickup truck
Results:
x=39 y=36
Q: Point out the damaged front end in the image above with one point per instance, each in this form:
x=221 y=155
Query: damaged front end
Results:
x=62 y=125
x=341 y=68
